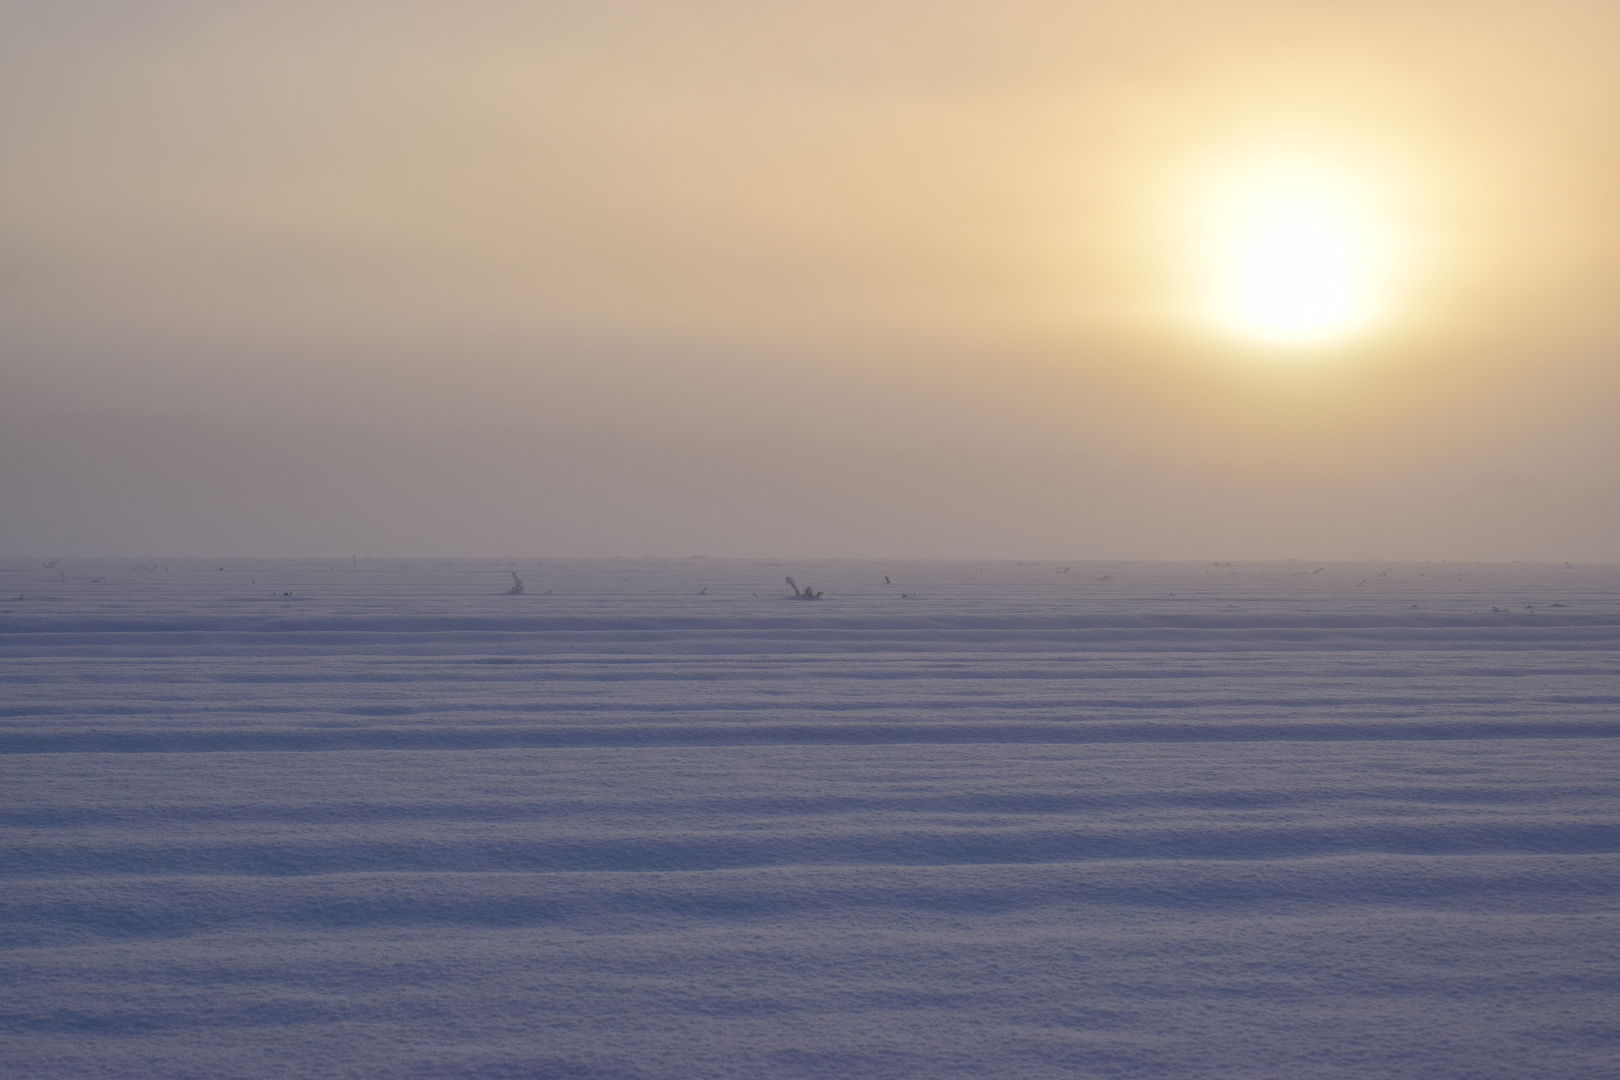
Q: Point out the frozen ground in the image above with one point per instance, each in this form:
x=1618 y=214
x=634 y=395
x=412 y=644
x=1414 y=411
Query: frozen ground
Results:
x=375 y=819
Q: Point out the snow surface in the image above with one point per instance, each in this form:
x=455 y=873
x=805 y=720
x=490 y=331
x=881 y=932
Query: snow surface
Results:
x=380 y=819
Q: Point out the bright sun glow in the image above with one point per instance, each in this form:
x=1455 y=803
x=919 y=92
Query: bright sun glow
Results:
x=1294 y=255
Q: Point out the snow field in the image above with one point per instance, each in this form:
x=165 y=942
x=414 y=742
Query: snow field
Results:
x=1060 y=820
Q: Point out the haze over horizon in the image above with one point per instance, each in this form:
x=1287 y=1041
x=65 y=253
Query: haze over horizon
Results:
x=792 y=280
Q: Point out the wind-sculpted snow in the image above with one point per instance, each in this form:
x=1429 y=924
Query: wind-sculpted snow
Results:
x=652 y=819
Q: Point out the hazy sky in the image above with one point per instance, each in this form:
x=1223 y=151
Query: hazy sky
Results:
x=797 y=279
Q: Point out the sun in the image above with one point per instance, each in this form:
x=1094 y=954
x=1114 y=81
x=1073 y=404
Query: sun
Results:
x=1294 y=253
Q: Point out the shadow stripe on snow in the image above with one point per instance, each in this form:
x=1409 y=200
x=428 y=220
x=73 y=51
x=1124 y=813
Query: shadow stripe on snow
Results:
x=733 y=640
x=65 y=911
x=803 y=619
x=215 y=740
x=168 y=816
x=905 y=847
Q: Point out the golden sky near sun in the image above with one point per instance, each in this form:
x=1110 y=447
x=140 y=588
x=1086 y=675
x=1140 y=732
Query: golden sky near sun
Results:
x=1198 y=255
x=913 y=171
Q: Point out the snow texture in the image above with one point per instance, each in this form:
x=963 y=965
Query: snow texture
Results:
x=651 y=819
